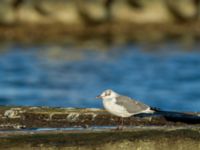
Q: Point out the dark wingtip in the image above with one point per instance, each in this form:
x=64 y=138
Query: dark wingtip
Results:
x=155 y=109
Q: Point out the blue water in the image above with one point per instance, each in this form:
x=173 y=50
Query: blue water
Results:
x=167 y=76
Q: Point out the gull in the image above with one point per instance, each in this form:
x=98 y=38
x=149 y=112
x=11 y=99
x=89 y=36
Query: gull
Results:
x=122 y=106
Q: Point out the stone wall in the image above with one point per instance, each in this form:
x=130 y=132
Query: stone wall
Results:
x=97 y=11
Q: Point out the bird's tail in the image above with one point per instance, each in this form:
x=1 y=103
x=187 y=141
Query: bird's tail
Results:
x=165 y=112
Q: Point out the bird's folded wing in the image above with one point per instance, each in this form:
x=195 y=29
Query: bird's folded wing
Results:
x=132 y=106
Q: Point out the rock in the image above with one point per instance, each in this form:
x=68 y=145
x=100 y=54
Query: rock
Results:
x=93 y=11
x=49 y=11
x=61 y=11
x=96 y=11
x=183 y=9
x=7 y=15
x=144 y=11
x=27 y=13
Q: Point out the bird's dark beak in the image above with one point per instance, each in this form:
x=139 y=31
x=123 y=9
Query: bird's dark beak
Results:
x=99 y=96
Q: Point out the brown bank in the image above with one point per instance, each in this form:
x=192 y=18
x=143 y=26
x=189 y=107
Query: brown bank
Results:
x=94 y=129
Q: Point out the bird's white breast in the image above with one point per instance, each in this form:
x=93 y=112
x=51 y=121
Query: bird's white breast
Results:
x=114 y=108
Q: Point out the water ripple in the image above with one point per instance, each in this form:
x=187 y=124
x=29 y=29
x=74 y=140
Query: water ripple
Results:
x=167 y=79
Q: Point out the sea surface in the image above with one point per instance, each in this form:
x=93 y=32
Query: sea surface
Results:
x=166 y=76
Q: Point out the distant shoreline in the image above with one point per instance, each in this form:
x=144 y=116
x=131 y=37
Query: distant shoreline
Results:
x=107 y=21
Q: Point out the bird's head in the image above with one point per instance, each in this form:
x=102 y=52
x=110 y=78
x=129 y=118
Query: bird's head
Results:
x=108 y=94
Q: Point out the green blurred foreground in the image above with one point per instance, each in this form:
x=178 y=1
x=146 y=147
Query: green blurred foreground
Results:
x=148 y=138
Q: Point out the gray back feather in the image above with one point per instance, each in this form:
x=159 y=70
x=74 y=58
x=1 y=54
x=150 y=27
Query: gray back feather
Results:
x=132 y=106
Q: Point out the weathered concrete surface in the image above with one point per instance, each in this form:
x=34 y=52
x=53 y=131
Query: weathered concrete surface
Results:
x=25 y=128
x=146 y=138
x=38 y=117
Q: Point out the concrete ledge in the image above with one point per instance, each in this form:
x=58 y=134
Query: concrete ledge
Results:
x=70 y=128
x=40 y=117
